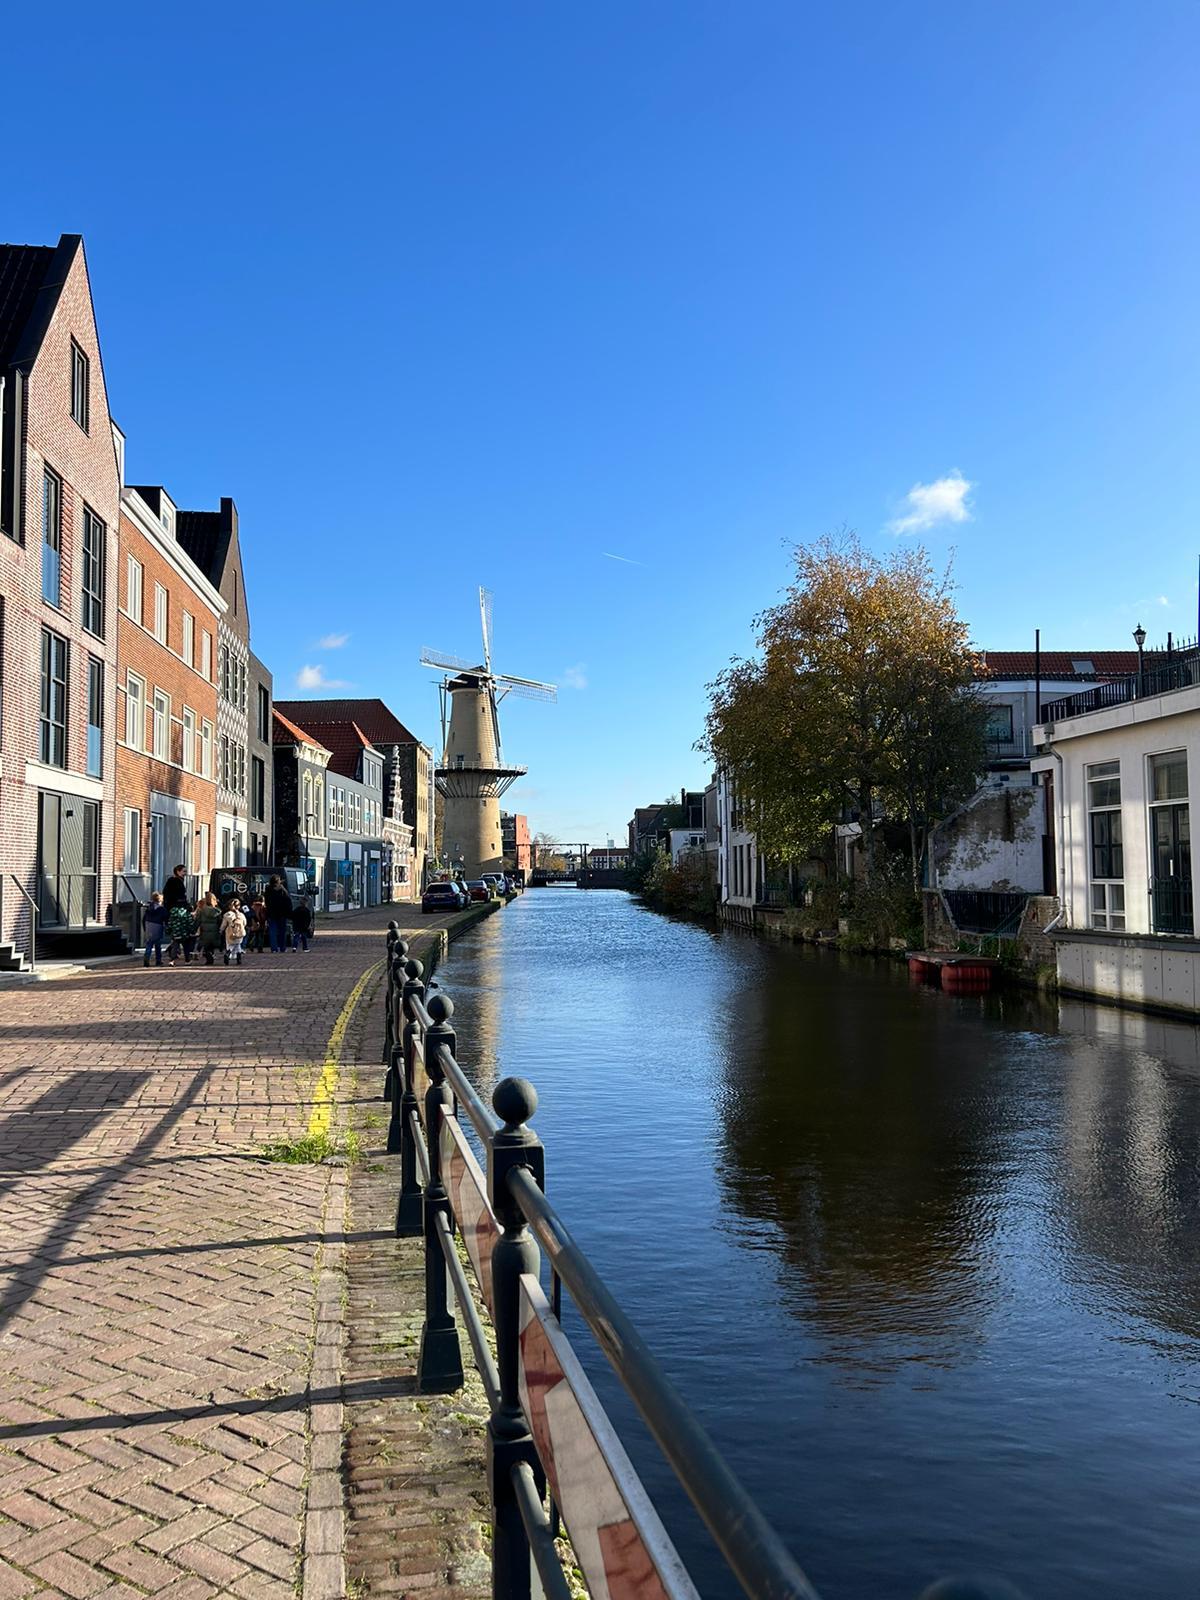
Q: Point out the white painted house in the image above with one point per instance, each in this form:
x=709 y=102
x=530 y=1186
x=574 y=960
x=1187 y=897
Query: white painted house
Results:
x=1119 y=770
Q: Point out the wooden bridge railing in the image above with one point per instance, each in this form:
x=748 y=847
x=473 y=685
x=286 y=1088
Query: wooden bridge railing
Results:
x=551 y=1450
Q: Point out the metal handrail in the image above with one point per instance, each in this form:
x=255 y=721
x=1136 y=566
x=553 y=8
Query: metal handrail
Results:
x=483 y=1118
x=34 y=914
x=756 y=1554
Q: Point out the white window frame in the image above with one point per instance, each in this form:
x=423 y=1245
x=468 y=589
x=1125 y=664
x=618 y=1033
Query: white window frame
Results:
x=189 y=638
x=188 y=752
x=203 y=865
x=162 y=614
x=134 y=865
x=160 y=749
x=134 y=586
x=206 y=655
x=135 y=724
x=205 y=768
x=1106 y=896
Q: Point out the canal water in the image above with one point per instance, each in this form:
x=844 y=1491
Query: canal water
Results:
x=927 y=1267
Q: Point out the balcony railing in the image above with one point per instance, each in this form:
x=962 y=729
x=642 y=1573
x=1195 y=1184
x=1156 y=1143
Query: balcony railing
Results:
x=1162 y=677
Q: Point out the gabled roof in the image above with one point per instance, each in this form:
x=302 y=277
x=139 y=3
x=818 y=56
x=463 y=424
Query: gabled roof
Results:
x=31 y=279
x=372 y=717
x=205 y=540
x=285 y=731
x=1086 y=665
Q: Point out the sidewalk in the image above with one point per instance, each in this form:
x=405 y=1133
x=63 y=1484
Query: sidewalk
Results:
x=164 y=1288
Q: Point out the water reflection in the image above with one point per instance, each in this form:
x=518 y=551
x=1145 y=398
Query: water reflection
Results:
x=925 y=1266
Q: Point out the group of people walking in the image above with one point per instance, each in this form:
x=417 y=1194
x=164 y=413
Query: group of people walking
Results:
x=202 y=929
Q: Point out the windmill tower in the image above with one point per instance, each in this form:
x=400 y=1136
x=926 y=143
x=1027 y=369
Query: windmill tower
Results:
x=473 y=775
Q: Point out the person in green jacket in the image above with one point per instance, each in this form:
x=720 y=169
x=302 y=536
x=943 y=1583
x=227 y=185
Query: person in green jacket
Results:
x=208 y=917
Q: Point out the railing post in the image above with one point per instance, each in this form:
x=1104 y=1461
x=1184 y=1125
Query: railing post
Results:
x=508 y=1437
x=439 y=1365
x=392 y=936
x=396 y=955
x=400 y=1129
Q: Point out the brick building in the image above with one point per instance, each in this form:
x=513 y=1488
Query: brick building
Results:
x=300 y=766
x=168 y=624
x=260 y=785
x=211 y=539
x=59 y=506
x=516 y=844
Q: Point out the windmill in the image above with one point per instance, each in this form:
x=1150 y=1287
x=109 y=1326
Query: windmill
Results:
x=473 y=774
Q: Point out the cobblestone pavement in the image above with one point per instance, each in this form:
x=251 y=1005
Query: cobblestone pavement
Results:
x=158 y=1303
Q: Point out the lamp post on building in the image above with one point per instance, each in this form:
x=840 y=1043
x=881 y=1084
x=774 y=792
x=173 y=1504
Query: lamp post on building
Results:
x=1139 y=638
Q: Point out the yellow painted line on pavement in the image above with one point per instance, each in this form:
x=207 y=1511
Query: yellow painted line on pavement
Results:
x=322 y=1111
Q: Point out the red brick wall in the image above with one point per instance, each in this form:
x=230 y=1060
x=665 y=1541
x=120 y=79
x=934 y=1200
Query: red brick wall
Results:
x=86 y=463
x=161 y=667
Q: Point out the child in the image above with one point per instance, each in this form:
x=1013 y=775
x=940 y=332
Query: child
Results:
x=233 y=930
x=154 y=927
x=209 y=919
x=181 y=926
x=258 y=924
x=301 y=923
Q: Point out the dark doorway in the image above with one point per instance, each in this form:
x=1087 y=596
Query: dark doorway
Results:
x=68 y=860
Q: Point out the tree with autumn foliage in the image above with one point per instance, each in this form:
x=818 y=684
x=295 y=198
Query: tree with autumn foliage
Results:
x=862 y=696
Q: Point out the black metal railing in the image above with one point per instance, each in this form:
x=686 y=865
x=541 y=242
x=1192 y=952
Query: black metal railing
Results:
x=502 y=1216
x=983 y=910
x=1157 y=677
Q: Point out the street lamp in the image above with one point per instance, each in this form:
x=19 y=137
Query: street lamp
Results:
x=1139 y=638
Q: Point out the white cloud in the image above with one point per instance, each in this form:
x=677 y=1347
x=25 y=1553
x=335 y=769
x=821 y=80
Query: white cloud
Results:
x=1163 y=601
x=575 y=677
x=943 y=500
x=314 y=678
x=332 y=641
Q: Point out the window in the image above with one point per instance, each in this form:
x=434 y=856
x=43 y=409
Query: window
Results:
x=999 y=725
x=135 y=712
x=80 y=397
x=319 y=805
x=1107 y=851
x=206 y=656
x=225 y=774
x=241 y=703
x=189 y=739
x=224 y=668
x=95 y=717
x=1170 y=844
x=258 y=789
x=53 y=728
x=264 y=714
x=133 y=588
x=202 y=850
x=92 y=598
x=160 y=725
x=51 y=537
x=204 y=765
x=306 y=815
x=131 y=850
x=189 y=637
x=161 y=617
x=1168 y=777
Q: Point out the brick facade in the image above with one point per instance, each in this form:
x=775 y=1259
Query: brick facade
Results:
x=166 y=789
x=40 y=432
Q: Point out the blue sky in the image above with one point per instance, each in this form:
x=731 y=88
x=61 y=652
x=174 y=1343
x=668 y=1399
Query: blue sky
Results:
x=491 y=293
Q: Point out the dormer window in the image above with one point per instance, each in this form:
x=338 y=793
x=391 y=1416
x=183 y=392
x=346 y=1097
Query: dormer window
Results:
x=80 y=377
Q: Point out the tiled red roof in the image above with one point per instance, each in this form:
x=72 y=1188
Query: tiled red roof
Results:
x=345 y=742
x=1061 y=663
x=380 y=724
x=289 y=733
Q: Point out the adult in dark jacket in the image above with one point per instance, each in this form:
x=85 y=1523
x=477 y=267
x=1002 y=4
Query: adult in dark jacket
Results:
x=279 y=909
x=175 y=890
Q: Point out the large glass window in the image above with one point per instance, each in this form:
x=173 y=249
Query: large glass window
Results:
x=189 y=637
x=51 y=537
x=53 y=726
x=133 y=588
x=258 y=789
x=1107 y=863
x=189 y=739
x=92 y=586
x=264 y=714
x=131 y=855
x=95 y=717
x=161 y=618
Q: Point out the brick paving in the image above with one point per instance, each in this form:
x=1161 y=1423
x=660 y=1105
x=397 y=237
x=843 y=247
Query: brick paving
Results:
x=163 y=1288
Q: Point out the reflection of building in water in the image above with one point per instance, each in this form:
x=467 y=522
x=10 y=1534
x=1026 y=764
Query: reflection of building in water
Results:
x=863 y=1135
x=476 y=987
x=1128 y=1173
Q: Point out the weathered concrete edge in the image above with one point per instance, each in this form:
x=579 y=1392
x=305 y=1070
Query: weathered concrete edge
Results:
x=324 y=1553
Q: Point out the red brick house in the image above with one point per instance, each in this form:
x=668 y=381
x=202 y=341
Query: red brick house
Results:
x=166 y=735
x=59 y=506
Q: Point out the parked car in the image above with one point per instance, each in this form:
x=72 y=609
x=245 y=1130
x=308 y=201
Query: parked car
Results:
x=495 y=882
x=478 y=890
x=442 y=897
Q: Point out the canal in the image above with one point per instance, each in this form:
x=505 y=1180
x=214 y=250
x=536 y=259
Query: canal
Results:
x=928 y=1268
